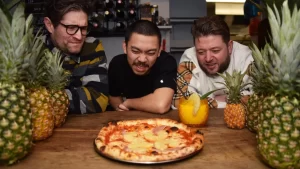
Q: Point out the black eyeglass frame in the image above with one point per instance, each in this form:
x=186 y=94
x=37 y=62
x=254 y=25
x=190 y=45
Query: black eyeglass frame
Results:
x=87 y=28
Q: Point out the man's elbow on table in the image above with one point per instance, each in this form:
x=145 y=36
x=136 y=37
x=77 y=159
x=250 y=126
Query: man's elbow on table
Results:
x=163 y=107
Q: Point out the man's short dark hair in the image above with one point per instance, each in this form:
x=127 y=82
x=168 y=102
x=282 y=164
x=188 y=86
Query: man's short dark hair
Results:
x=143 y=27
x=56 y=9
x=211 y=25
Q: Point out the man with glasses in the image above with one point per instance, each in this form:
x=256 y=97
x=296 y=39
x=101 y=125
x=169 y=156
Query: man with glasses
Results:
x=67 y=25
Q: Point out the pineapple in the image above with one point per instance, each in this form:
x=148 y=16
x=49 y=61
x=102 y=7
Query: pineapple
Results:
x=279 y=121
x=254 y=106
x=15 y=115
x=40 y=100
x=261 y=88
x=42 y=113
x=234 y=112
x=56 y=81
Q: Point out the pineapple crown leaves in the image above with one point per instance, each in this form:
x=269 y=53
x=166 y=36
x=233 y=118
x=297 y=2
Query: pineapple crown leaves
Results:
x=36 y=70
x=202 y=97
x=258 y=72
x=14 y=37
x=283 y=54
x=7 y=6
x=57 y=77
x=234 y=85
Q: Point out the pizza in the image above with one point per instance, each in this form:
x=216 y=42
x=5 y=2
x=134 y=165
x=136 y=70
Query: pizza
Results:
x=148 y=140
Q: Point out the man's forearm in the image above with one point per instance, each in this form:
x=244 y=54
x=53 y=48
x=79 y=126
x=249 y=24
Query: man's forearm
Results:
x=148 y=103
x=115 y=101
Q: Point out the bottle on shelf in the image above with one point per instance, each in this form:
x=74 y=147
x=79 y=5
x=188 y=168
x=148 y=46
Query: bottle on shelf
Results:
x=99 y=4
x=108 y=14
x=131 y=4
x=109 y=4
x=120 y=26
x=120 y=4
x=154 y=13
x=120 y=14
x=131 y=13
x=253 y=26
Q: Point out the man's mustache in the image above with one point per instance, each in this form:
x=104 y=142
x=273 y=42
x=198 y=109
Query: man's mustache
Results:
x=142 y=64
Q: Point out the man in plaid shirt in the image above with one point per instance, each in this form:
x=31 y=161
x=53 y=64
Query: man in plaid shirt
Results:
x=213 y=53
x=67 y=24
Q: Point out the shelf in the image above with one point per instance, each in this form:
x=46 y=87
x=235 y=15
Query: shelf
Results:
x=183 y=20
x=165 y=27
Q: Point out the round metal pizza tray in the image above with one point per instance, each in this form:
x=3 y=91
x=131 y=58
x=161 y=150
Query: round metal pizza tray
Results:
x=146 y=162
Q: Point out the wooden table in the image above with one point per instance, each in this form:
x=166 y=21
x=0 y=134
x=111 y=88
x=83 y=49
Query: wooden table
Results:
x=71 y=147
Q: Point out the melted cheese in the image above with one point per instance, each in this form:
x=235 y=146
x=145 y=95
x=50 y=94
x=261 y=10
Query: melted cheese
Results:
x=130 y=136
x=140 y=146
x=173 y=142
x=160 y=145
x=161 y=135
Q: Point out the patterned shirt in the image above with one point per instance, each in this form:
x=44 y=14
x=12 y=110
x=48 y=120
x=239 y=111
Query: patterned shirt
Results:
x=88 y=86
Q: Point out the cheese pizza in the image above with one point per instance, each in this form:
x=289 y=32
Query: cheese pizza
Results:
x=148 y=140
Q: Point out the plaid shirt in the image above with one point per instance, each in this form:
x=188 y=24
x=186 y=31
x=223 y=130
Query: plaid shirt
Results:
x=88 y=87
x=184 y=76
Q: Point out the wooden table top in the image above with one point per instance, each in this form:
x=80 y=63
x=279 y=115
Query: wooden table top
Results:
x=71 y=146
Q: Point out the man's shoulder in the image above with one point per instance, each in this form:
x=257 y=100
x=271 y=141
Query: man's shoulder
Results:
x=241 y=51
x=188 y=55
x=166 y=58
x=118 y=60
x=237 y=47
x=92 y=49
x=241 y=57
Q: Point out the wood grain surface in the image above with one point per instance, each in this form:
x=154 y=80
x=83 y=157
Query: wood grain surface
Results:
x=71 y=146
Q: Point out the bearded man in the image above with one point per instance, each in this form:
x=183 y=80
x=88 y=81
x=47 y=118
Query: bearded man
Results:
x=213 y=53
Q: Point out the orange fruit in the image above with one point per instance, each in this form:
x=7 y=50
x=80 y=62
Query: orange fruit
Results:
x=193 y=111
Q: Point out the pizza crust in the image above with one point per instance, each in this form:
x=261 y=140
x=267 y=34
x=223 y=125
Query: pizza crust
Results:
x=148 y=140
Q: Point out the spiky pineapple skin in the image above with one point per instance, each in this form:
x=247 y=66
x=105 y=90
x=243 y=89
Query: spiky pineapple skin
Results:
x=234 y=116
x=42 y=113
x=60 y=104
x=279 y=132
x=15 y=123
x=254 y=106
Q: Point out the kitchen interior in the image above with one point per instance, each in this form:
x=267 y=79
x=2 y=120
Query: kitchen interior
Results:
x=174 y=18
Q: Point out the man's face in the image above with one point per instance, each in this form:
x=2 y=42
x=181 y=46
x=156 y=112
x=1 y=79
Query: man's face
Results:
x=213 y=54
x=70 y=44
x=142 y=52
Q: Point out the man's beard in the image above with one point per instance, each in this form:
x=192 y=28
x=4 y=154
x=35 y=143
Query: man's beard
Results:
x=222 y=67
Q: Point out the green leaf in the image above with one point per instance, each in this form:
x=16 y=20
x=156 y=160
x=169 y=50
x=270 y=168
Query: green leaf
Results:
x=5 y=11
x=18 y=25
x=12 y=3
x=208 y=93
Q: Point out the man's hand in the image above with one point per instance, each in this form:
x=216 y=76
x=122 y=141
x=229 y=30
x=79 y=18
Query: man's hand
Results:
x=244 y=99
x=221 y=98
x=122 y=107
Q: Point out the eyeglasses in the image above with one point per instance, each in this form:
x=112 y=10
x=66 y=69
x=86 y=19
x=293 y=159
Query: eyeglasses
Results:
x=73 y=29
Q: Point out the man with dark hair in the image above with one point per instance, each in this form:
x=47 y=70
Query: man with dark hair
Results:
x=142 y=78
x=67 y=25
x=213 y=53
